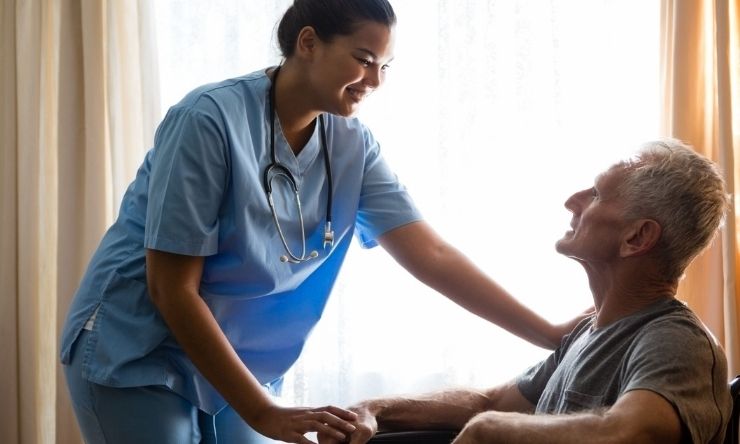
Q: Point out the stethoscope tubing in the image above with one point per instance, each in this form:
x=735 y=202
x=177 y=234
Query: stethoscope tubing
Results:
x=277 y=169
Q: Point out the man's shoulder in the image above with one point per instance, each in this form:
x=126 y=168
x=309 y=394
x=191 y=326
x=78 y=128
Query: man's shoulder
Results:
x=676 y=356
x=676 y=319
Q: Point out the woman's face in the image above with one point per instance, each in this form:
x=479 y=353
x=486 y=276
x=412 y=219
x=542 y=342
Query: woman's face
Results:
x=348 y=68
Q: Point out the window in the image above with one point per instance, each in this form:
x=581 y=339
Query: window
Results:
x=493 y=113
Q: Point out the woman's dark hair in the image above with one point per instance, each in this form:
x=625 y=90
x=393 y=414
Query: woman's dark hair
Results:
x=330 y=18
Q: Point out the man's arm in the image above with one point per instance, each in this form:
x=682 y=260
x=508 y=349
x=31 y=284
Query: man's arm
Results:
x=639 y=416
x=449 y=409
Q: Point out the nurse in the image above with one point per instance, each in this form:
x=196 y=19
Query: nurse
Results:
x=202 y=293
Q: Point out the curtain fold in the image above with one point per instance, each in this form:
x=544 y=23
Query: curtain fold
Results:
x=728 y=81
x=29 y=196
x=8 y=222
x=79 y=105
x=701 y=77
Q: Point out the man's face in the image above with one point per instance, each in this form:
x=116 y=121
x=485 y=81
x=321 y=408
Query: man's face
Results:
x=597 y=224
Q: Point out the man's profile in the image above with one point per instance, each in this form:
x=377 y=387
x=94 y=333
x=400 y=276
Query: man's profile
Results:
x=643 y=368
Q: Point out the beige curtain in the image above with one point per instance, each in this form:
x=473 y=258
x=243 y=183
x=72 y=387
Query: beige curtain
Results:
x=79 y=101
x=701 y=77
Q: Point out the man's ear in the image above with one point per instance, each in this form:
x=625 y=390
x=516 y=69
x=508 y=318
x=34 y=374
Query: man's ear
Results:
x=640 y=238
x=306 y=42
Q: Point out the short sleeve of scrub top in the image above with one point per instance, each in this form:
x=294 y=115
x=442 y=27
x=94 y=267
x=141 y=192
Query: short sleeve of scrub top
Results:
x=187 y=182
x=382 y=197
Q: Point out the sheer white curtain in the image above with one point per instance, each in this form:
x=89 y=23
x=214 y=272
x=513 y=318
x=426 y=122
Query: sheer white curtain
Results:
x=493 y=113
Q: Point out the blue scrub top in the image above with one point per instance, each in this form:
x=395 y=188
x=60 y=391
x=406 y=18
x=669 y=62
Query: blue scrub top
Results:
x=199 y=192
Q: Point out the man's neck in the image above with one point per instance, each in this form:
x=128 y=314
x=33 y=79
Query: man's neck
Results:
x=617 y=307
x=618 y=296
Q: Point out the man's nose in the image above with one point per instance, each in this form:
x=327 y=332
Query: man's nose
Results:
x=575 y=202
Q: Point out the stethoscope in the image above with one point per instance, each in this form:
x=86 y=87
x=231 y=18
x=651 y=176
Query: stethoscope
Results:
x=277 y=169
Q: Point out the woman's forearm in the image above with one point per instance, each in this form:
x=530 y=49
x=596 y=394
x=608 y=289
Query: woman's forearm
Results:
x=456 y=277
x=173 y=283
x=196 y=330
x=445 y=269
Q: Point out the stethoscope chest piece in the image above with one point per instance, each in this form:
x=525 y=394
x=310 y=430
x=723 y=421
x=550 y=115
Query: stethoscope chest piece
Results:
x=328 y=235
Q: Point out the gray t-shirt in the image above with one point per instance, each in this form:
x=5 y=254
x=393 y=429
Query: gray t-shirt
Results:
x=663 y=348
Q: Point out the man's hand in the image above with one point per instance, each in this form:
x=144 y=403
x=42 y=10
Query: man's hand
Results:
x=290 y=424
x=366 y=425
x=443 y=410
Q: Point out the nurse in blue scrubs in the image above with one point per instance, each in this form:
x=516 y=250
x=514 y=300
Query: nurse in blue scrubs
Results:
x=202 y=293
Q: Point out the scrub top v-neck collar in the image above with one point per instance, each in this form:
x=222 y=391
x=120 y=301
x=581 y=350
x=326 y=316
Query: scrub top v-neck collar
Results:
x=298 y=164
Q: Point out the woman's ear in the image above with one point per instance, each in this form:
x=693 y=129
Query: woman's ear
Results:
x=640 y=238
x=306 y=42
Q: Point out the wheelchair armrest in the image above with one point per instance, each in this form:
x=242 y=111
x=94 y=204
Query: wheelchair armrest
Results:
x=415 y=437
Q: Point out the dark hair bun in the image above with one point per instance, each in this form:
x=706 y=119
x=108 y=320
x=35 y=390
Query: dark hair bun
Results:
x=330 y=18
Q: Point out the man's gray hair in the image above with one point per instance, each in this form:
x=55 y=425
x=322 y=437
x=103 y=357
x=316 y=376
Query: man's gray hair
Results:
x=683 y=191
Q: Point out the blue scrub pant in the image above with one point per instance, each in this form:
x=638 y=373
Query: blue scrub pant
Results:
x=150 y=414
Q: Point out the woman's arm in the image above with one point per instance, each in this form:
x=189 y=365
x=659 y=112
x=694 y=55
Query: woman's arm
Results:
x=173 y=281
x=438 y=264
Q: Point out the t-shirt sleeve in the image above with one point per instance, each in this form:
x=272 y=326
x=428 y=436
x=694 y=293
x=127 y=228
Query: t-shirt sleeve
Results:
x=188 y=179
x=532 y=382
x=680 y=362
x=384 y=202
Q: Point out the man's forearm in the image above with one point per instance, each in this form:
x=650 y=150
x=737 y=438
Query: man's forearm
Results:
x=583 y=428
x=447 y=409
x=505 y=427
x=639 y=416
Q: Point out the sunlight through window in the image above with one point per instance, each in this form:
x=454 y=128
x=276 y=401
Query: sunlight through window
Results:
x=493 y=113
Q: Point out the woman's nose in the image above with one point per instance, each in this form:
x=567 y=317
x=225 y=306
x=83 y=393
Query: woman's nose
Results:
x=374 y=77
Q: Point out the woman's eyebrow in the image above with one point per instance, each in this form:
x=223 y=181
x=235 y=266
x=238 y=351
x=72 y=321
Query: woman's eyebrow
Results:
x=367 y=51
x=371 y=54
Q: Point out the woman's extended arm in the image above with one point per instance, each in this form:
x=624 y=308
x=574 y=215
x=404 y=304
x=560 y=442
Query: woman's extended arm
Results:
x=173 y=281
x=438 y=264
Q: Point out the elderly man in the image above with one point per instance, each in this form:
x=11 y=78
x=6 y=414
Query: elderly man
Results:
x=643 y=369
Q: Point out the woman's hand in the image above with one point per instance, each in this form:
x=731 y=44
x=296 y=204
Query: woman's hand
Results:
x=366 y=427
x=290 y=424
